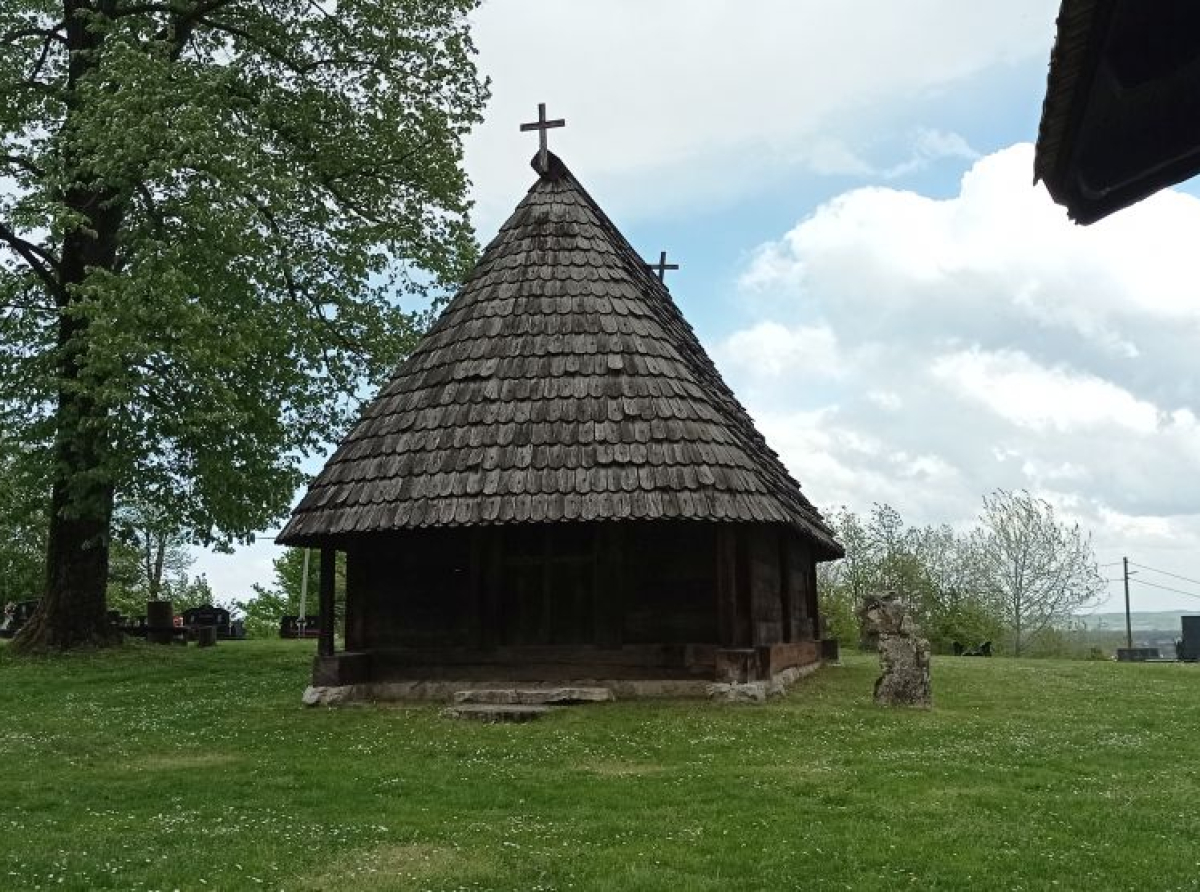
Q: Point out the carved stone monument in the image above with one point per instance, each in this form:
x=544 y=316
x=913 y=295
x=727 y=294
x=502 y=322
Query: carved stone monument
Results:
x=903 y=653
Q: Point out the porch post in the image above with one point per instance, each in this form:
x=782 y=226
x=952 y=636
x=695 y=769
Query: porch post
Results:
x=328 y=568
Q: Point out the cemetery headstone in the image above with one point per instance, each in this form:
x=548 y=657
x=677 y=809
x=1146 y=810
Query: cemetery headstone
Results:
x=1136 y=654
x=160 y=622
x=16 y=614
x=903 y=653
x=208 y=615
x=295 y=627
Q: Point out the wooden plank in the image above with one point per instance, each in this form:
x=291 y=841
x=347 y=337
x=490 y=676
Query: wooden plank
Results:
x=493 y=557
x=787 y=594
x=543 y=662
x=812 y=610
x=766 y=608
x=476 y=576
x=724 y=569
x=609 y=574
x=357 y=599
x=328 y=569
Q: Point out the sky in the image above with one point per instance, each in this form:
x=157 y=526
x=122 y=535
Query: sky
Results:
x=848 y=189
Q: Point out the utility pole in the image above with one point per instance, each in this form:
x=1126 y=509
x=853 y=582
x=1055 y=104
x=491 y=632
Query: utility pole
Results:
x=304 y=589
x=1128 y=621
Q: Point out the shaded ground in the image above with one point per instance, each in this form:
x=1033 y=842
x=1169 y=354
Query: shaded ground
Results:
x=173 y=768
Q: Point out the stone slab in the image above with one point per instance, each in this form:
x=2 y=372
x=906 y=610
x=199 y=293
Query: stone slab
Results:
x=329 y=695
x=496 y=712
x=617 y=689
x=563 y=695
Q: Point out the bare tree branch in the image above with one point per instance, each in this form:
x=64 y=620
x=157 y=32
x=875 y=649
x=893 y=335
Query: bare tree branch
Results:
x=42 y=262
x=22 y=162
x=9 y=38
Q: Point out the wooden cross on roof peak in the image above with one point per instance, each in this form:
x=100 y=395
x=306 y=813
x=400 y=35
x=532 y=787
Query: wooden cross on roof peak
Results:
x=541 y=125
x=660 y=268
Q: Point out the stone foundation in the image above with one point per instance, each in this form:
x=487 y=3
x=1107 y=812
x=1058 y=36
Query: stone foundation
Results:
x=516 y=692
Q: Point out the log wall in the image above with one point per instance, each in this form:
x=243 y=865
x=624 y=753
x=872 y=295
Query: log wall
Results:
x=636 y=597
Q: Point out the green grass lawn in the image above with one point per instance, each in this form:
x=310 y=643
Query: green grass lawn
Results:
x=173 y=768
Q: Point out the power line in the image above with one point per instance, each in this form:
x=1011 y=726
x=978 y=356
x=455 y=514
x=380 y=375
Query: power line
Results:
x=1166 y=573
x=1111 y=564
x=1166 y=588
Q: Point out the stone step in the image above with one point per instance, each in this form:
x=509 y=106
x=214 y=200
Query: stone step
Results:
x=564 y=696
x=495 y=712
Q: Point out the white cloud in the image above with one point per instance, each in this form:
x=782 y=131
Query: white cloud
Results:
x=832 y=157
x=930 y=146
x=984 y=341
x=769 y=350
x=703 y=100
x=1030 y=395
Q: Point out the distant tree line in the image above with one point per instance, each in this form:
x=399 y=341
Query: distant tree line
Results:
x=1016 y=578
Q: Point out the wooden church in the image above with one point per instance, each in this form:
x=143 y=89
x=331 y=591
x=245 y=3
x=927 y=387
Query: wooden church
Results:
x=557 y=485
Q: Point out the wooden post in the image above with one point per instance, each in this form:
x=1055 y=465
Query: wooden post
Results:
x=357 y=599
x=808 y=579
x=328 y=570
x=1128 y=620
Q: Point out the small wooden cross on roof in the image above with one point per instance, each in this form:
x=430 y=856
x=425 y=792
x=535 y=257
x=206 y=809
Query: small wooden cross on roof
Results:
x=541 y=125
x=662 y=266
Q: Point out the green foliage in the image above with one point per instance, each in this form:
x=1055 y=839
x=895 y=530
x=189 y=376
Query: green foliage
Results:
x=283 y=598
x=1014 y=580
x=162 y=551
x=935 y=569
x=22 y=525
x=214 y=213
x=186 y=765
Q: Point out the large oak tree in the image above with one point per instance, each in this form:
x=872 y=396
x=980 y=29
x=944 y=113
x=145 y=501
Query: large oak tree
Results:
x=207 y=211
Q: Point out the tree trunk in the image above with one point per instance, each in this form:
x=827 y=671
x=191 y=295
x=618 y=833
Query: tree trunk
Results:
x=72 y=610
x=160 y=541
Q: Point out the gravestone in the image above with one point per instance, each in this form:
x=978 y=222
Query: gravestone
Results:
x=1189 y=645
x=294 y=627
x=1137 y=654
x=16 y=614
x=160 y=622
x=208 y=615
x=903 y=653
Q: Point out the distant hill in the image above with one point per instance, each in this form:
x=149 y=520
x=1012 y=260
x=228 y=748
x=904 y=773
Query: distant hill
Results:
x=1141 y=620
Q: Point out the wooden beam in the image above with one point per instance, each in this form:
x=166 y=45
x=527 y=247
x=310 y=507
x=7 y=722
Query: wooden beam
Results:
x=356 y=600
x=786 y=595
x=476 y=576
x=492 y=555
x=609 y=586
x=732 y=616
x=328 y=570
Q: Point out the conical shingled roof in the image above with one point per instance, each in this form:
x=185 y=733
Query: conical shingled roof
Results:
x=561 y=383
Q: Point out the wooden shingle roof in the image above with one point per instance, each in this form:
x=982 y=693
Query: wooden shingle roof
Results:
x=561 y=383
x=1120 y=117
